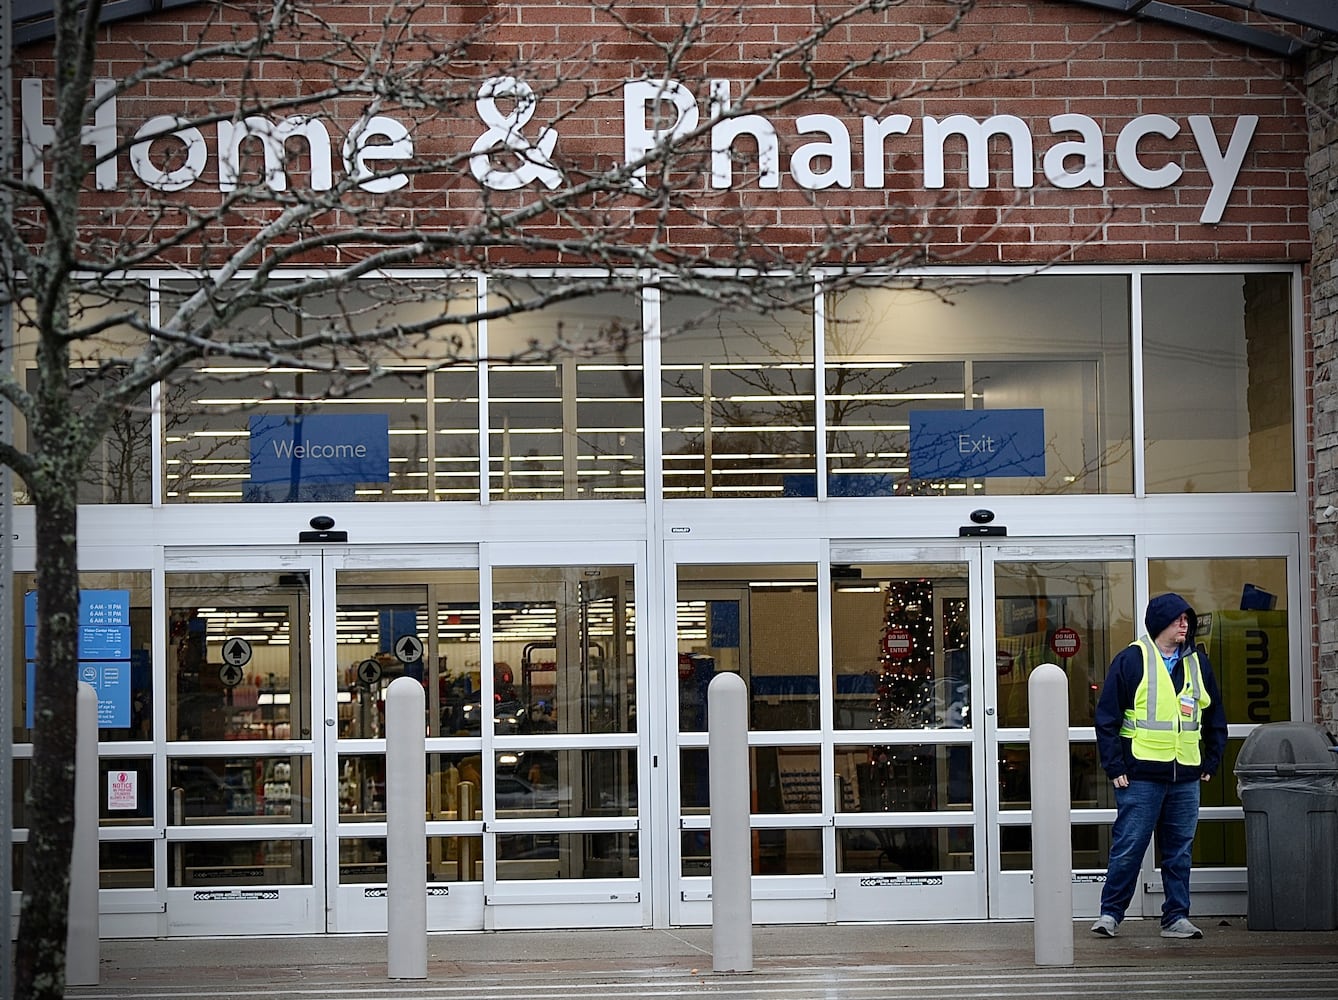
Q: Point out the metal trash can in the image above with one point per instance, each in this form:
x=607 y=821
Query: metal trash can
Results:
x=1287 y=777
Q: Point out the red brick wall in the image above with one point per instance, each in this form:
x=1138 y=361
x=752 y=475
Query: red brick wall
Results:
x=1029 y=59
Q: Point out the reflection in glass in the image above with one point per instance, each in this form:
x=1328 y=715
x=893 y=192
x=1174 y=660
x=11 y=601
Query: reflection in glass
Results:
x=905 y=849
x=208 y=863
x=362 y=860
x=903 y=778
x=1061 y=344
x=1091 y=847
x=567 y=855
x=759 y=621
x=563 y=650
x=1217 y=383
x=565 y=414
x=901 y=646
x=454 y=787
x=236 y=663
x=1091 y=788
x=738 y=391
x=1242 y=609
x=1219 y=843
x=531 y=783
x=119 y=469
x=228 y=789
x=781 y=779
x=422 y=624
x=125 y=864
x=775 y=852
x=207 y=406
x=1077 y=615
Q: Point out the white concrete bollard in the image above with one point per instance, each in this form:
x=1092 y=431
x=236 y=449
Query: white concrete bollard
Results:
x=1051 y=819
x=731 y=840
x=406 y=831
x=81 y=942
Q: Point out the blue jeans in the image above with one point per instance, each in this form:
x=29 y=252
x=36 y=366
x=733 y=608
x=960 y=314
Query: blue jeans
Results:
x=1172 y=811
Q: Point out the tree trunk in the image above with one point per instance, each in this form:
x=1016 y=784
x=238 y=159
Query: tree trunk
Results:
x=43 y=919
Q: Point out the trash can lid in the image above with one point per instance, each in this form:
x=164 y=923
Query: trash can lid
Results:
x=1295 y=746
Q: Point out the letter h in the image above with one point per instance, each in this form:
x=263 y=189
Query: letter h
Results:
x=101 y=135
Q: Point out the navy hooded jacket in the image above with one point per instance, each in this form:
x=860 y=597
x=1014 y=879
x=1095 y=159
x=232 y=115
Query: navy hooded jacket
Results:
x=1121 y=686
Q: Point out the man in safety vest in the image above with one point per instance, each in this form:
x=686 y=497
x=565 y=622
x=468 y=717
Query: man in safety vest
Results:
x=1161 y=731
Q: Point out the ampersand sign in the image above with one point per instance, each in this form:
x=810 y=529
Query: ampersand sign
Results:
x=505 y=131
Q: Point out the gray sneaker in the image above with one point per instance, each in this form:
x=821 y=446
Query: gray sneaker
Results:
x=1107 y=926
x=1181 y=928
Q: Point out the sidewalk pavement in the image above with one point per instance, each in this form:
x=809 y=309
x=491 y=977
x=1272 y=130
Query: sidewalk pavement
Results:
x=285 y=962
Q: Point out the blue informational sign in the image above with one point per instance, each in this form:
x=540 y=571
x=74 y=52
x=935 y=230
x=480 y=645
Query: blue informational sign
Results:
x=977 y=444
x=320 y=449
x=399 y=635
x=724 y=624
x=112 y=683
x=104 y=652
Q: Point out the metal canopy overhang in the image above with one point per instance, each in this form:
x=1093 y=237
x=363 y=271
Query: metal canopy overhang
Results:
x=1319 y=18
x=32 y=21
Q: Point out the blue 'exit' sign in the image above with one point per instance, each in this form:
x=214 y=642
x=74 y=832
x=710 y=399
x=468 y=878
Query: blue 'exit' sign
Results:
x=977 y=444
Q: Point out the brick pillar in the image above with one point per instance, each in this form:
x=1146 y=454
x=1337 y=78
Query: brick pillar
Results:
x=1322 y=170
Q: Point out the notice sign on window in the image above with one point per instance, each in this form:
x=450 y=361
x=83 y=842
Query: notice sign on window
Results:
x=320 y=449
x=977 y=444
x=122 y=790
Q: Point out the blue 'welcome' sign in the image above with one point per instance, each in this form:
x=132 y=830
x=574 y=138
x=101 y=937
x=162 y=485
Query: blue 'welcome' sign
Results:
x=320 y=449
x=977 y=444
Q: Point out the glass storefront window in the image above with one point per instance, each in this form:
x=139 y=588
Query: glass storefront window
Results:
x=454 y=787
x=1091 y=847
x=1217 y=383
x=120 y=469
x=781 y=780
x=210 y=790
x=124 y=682
x=738 y=400
x=1057 y=343
x=550 y=856
x=901 y=646
x=888 y=849
x=530 y=783
x=449 y=859
x=1074 y=614
x=401 y=623
x=202 y=863
x=125 y=791
x=211 y=409
x=904 y=777
x=563 y=650
x=1091 y=788
x=209 y=697
x=125 y=864
x=759 y=621
x=795 y=851
x=565 y=418
x=1243 y=625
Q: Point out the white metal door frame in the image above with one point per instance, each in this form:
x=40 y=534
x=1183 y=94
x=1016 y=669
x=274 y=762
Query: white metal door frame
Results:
x=225 y=909
x=509 y=904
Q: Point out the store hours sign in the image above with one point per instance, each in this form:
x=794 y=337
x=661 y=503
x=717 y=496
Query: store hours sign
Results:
x=104 y=652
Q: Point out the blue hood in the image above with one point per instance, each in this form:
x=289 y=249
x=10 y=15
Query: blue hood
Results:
x=1166 y=608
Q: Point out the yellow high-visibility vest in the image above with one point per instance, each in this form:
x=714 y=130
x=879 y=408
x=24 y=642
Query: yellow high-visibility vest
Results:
x=1159 y=728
